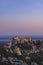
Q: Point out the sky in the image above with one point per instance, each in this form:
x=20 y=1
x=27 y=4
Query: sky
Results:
x=21 y=17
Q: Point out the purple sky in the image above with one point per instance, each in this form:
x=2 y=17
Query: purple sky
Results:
x=21 y=17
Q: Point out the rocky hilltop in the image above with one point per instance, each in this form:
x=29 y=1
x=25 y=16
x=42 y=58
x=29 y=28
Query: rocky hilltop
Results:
x=22 y=51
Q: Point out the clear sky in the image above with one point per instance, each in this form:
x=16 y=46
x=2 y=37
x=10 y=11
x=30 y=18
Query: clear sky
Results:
x=21 y=17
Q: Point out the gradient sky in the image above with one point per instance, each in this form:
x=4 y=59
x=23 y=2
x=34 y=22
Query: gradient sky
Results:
x=21 y=17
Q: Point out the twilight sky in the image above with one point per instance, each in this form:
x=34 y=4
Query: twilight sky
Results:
x=21 y=17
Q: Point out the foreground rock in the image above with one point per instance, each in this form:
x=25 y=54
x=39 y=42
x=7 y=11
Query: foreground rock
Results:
x=22 y=52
